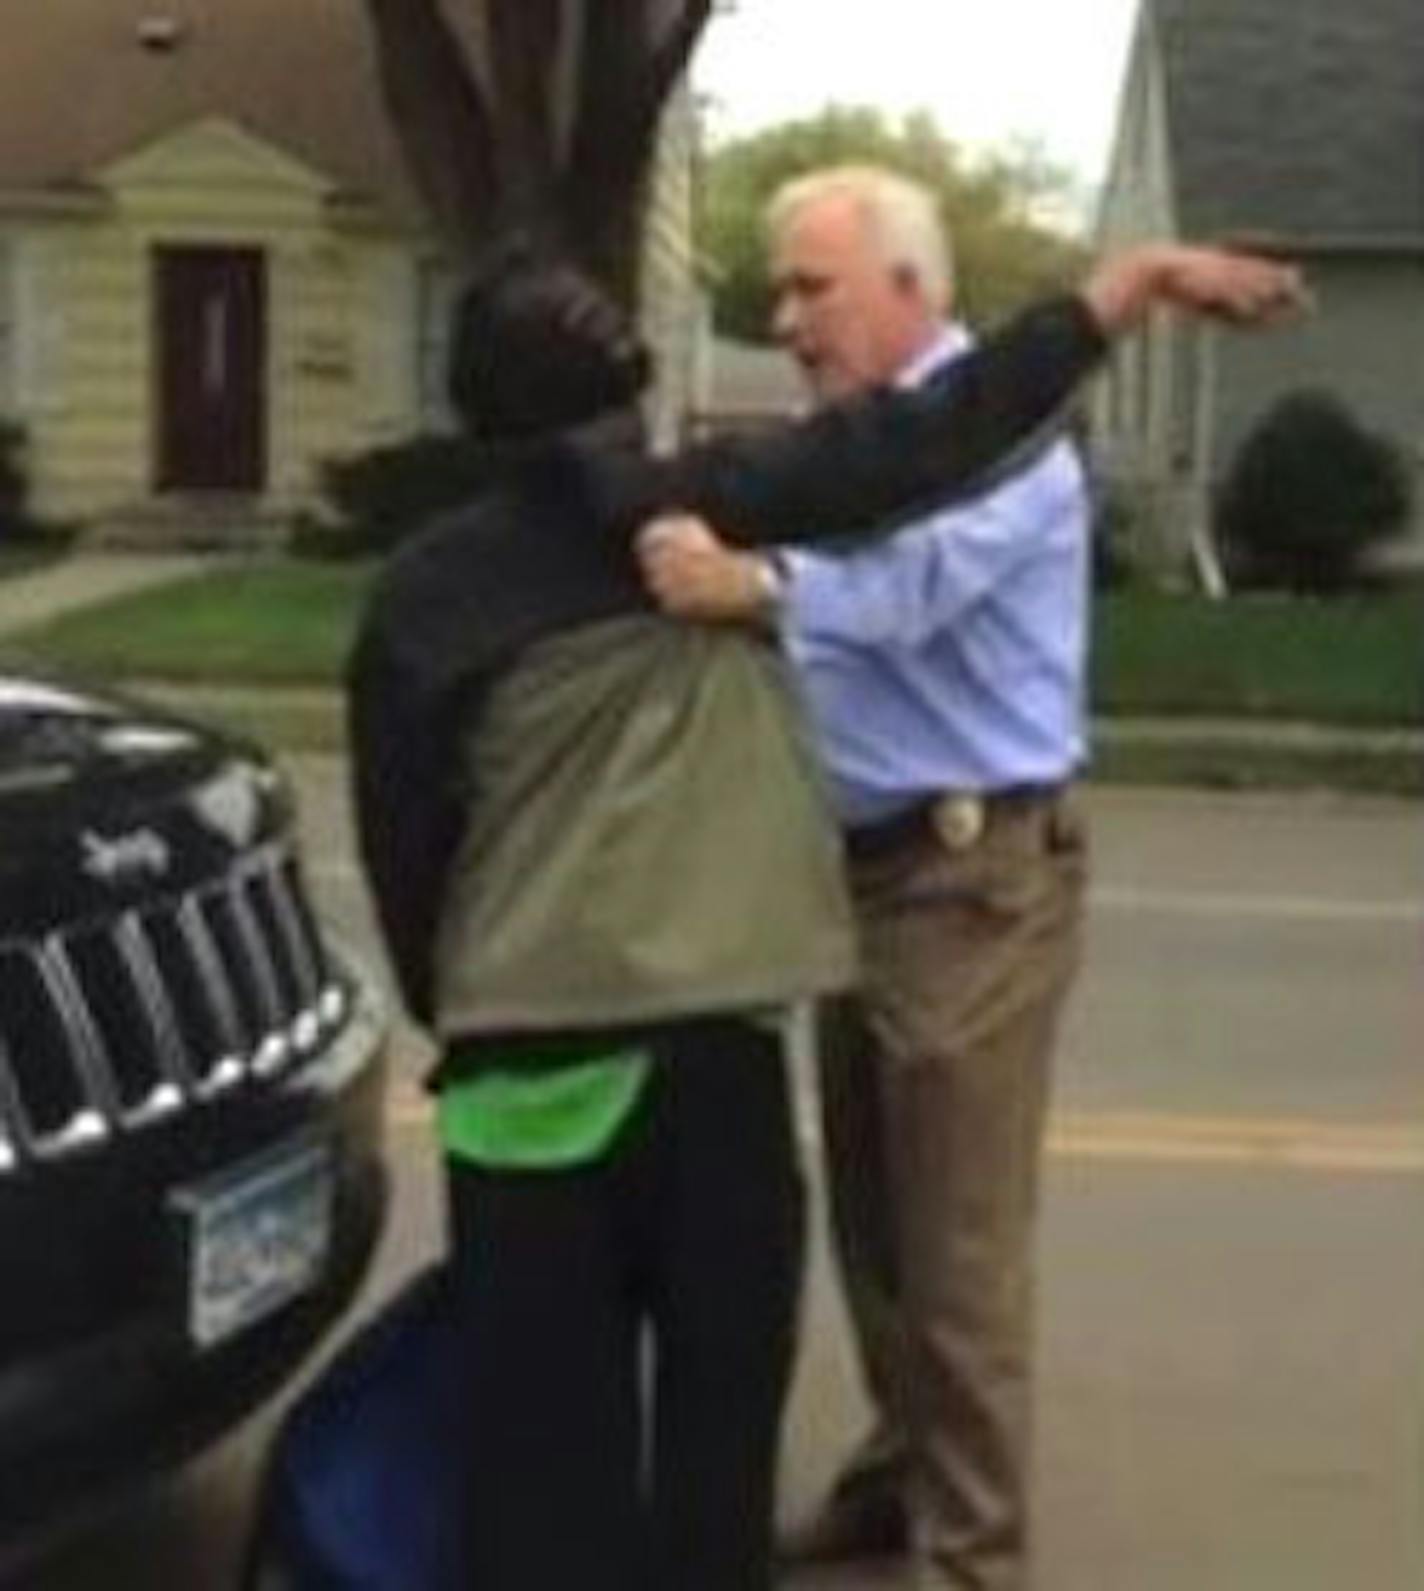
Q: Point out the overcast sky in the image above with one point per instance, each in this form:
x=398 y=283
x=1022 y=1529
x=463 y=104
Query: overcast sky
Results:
x=988 y=70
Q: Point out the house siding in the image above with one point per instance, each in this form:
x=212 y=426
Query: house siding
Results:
x=9 y=322
x=82 y=387
x=1170 y=416
x=1138 y=198
x=1134 y=424
x=671 y=302
x=1364 y=344
x=337 y=375
x=346 y=355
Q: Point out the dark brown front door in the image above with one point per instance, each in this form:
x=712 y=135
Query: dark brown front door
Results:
x=211 y=314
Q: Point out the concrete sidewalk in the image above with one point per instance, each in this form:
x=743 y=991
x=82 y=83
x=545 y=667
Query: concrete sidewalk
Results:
x=1284 y=734
x=87 y=578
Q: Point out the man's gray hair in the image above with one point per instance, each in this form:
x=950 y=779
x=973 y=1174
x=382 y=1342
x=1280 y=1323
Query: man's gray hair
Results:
x=901 y=215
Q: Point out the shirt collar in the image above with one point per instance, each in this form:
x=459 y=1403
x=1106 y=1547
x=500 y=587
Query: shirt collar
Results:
x=951 y=341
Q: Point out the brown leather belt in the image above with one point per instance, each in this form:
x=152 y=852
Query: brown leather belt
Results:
x=954 y=820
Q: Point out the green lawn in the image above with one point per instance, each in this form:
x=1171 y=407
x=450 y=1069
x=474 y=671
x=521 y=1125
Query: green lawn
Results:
x=273 y=624
x=1358 y=660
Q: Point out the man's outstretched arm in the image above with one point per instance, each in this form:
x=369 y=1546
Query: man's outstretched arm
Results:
x=891 y=455
x=692 y=573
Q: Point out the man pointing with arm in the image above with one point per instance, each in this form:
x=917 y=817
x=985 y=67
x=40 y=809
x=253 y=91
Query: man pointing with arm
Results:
x=943 y=671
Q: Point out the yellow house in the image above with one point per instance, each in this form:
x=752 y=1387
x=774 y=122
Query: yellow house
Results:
x=213 y=273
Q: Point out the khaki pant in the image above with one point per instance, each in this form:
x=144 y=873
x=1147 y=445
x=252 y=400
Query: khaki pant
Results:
x=935 y=1087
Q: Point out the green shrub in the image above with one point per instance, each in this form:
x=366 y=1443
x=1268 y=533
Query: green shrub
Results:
x=1120 y=515
x=1309 y=493
x=377 y=498
x=19 y=527
x=14 y=482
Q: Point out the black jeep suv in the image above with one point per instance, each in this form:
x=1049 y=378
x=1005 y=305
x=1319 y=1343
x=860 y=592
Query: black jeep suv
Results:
x=190 y=1098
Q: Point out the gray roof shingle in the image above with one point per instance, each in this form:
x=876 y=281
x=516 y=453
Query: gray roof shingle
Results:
x=1300 y=118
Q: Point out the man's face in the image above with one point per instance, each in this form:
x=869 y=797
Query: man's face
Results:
x=849 y=319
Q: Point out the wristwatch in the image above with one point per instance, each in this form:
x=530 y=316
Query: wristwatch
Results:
x=771 y=583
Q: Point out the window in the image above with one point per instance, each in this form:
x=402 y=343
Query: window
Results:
x=435 y=309
x=9 y=330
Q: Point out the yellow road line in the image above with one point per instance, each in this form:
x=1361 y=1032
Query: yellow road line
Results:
x=1162 y=1138
x=1134 y=900
x=1297 y=1144
x=1286 y=908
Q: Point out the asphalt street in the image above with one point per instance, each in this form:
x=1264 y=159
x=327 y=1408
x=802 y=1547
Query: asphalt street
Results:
x=1233 y=1287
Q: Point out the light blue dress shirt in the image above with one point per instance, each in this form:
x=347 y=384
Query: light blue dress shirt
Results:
x=952 y=655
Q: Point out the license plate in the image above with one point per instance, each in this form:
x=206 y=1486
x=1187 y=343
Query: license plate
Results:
x=257 y=1237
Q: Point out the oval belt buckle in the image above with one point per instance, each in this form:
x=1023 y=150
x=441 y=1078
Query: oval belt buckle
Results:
x=958 y=821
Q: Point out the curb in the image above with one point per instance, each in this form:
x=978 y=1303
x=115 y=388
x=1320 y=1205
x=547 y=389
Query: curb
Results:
x=1219 y=754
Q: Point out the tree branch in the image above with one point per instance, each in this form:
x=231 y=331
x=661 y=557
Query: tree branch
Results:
x=440 y=116
x=626 y=75
x=525 y=39
x=676 y=49
x=614 y=53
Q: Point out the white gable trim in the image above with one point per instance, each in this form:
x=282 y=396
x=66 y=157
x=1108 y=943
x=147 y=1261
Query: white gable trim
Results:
x=272 y=165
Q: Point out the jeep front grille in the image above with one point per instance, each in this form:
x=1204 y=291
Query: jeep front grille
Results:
x=113 y=1026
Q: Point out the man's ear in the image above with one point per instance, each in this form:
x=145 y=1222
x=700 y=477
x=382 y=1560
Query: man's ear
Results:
x=907 y=283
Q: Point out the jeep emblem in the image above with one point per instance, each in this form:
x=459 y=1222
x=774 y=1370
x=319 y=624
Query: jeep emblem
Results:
x=125 y=857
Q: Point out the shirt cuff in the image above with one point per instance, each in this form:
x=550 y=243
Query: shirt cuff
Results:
x=814 y=600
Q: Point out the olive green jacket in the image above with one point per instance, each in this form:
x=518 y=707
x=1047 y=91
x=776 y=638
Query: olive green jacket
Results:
x=574 y=812
x=647 y=839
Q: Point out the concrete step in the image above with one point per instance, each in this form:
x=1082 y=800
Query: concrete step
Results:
x=198 y=523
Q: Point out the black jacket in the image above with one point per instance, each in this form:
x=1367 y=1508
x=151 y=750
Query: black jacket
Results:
x=548 y=548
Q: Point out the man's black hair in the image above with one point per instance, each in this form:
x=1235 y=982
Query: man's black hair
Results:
x=538 y=346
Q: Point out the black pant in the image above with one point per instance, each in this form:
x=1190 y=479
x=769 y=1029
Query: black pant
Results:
x=686 y=1238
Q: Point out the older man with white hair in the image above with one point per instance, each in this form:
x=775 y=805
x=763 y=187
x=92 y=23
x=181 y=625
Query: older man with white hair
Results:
x=944 y=673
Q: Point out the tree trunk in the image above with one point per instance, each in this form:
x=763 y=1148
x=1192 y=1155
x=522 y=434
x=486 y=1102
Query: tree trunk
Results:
x=633 y=54
x=557 y=137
